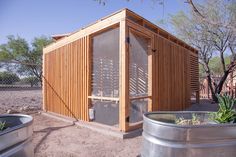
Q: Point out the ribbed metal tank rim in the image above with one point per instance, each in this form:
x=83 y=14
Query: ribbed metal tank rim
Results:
x=18 y=126
x=149 y=120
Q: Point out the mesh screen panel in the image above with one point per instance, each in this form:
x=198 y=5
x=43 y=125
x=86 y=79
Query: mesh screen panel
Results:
x=105 y=61
x=138 y=65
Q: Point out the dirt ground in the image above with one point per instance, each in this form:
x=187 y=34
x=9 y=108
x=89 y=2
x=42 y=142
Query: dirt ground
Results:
x=54 y=138
x=20 y=100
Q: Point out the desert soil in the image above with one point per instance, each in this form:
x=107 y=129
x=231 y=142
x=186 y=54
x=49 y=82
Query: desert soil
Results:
x=20 y=100
x=55 y=138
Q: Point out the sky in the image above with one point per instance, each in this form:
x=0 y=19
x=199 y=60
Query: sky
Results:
x=34 y=18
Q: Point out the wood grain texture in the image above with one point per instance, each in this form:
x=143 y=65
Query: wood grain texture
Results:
x=124 y=78
x=194 y=73
x=66 y=83
x=172 y=76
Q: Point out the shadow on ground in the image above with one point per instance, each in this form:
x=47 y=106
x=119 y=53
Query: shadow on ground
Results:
x=204 y=105
x=48 y=131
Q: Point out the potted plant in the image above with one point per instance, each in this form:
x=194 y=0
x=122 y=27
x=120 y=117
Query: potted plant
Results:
x=191 y=133
x=226 y=112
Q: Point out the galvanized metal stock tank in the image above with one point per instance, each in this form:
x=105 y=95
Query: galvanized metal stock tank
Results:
x=16 y=139
x=163 y=138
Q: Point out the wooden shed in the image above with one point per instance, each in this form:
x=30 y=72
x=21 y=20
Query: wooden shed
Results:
x=116 y=69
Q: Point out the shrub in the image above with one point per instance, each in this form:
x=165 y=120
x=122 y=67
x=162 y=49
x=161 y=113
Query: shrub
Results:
x=226 y=112
x=33 y=81
x=2 y=126
x=8 y=78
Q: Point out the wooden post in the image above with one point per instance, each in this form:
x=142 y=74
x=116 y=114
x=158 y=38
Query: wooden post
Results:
x=231 y=84
x=44 y=83
x=235 y=90
x=150 y=74
x=208 y=91
x=197 y=97
x=124 y=78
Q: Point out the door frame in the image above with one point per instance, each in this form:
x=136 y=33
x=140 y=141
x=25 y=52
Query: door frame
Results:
x=142 y=32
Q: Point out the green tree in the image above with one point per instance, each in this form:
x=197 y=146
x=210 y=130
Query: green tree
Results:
x=212 y=41
x=32 y=80
x=27 y=58
x=8 y=78
x=215 y=65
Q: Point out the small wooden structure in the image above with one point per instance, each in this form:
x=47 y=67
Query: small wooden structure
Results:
x=120 y=67
x=228 y=88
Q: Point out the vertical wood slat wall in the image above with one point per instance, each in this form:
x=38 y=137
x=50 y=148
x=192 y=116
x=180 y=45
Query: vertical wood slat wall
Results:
x=194 y=73
x=172 y=77
x=66 y=80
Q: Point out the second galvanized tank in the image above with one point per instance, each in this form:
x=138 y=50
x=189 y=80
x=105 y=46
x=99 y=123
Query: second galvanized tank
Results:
x=163 y=138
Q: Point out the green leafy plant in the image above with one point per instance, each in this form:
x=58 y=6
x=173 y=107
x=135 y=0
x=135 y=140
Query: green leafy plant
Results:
x=226 y=112
x=2 y=126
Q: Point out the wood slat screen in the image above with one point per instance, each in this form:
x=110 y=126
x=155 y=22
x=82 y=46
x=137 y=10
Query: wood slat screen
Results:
x=194 y=73
x=171 y=75
x=66 y=79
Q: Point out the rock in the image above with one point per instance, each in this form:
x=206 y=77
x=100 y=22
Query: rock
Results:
x=11 y=111
x=26 y=108
x=30 y=108
x=21 y=109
